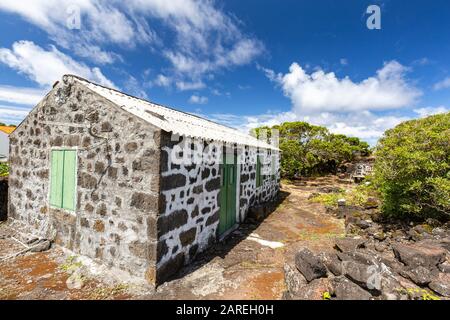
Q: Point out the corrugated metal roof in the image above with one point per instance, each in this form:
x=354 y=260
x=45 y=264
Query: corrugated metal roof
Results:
x=170 y=120
x=7 y=129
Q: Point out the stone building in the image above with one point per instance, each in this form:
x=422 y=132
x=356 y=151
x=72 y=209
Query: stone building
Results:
x=130 y=183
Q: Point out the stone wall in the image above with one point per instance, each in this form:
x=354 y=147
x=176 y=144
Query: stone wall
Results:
x=118 y=178
x=190 y=196
x=250 y=195
x=190 y=203
x=3 y=198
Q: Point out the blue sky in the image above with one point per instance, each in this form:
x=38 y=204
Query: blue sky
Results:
x=242 y=63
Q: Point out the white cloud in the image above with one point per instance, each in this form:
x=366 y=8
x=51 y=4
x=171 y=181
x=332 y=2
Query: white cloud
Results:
x=186 y=86
x=429 y=111
x=199 y=38
x=444 y=84
x=195 y=99
x=162 y=81
x=364 y=109
x=343 y=61
x=24 y=96
x=45 y=67
x=13 y=114
x=422 y=62
x=320 y=91
x=101 y=23
x=219 y=93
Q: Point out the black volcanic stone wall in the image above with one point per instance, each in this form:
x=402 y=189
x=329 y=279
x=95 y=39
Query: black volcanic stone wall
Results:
x=3 y=199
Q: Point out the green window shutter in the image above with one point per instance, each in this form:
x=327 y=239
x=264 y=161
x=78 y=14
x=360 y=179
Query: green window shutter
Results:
x=273 y=164
x=258 y=172
x=63 y=179
x=56 y=179
x=69 y=181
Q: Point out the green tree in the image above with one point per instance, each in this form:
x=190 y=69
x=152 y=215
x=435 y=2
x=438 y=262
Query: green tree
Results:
x=312 y=150
x=412 y=168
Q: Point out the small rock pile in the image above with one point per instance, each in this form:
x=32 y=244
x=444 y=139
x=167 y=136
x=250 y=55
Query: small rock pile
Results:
x=355 y=271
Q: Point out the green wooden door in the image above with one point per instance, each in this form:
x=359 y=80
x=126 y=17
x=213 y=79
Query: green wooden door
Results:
x=63 y=179
x=228 y=195
x=69 y=183
x=56 y=179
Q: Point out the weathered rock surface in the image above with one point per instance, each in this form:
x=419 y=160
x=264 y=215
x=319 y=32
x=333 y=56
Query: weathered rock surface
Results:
x=41 y=246
x=349 y=244
x=344 y=289
x=294 y=280
x=314 y=290
x=441 y=287
x=366 y=276
x=419 y=275
x=75 y=281
x=419 y=255
x=332 y=263
x=444 y=267
x=310 y=265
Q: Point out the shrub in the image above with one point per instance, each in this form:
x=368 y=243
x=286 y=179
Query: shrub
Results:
x=412 y=168
x=4 y=169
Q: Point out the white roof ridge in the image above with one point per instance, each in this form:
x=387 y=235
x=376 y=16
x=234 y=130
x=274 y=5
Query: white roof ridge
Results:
x=172 y=120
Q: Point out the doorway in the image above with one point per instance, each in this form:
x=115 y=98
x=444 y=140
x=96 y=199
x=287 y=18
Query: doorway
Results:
x=228 y=170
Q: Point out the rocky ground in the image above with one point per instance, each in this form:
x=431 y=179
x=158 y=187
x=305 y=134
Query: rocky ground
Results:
x=379 y=259
x=301 y=250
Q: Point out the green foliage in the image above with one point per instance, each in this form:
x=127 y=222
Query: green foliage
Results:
x=326 y=296
x=412 y=169
x=418 y=294
x=4 y=169
x=312 y=150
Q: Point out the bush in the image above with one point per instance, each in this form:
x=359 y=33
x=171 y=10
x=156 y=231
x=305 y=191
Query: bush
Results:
x=312 y=150
x=4 y=169
x=412 y=168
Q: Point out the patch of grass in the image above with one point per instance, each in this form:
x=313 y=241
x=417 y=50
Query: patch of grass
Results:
x=429 y=296
x=286 y=181
x=328 y=199
x=314 y=236
x=357 y=196
x=109 y=292
x=419 y=294
x=255 y=265
x=70 y=265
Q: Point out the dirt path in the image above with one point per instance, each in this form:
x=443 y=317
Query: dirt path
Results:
x=248 y=265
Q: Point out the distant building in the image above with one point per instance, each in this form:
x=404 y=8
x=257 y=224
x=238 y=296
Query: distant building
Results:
x=130 y=183
x=5 y=131
x=362 y=168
